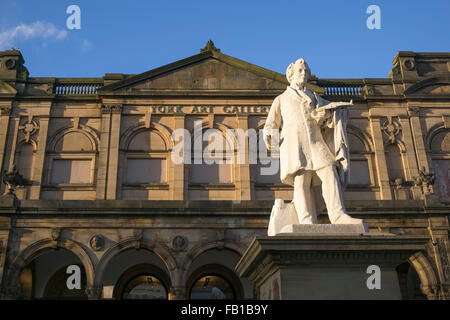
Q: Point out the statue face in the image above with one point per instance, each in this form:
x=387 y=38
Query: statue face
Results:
x=300 y=77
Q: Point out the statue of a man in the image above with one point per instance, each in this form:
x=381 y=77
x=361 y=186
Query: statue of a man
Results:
x=313 y=147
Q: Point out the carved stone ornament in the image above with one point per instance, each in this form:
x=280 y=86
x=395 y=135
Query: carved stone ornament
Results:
x=112 y=108
x=13 y=179
x=56 y=234
x=413 y=111
x=409 y=64
x=10 y=64
x=97 y=242
x=444 y=258
x=5 y=110
x=179 y=243
x=391 y=128
x=426 y=180
x=210 y=47
x=29 y=128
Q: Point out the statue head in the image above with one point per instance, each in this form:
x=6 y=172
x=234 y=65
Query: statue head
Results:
x=298 y=73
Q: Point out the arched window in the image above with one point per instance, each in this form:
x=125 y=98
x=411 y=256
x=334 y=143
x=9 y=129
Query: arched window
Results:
x=145 y=164
x=440 y=158
x=361 y=159
x=266 y=172
x=146 y=161
x=212 y=158
x=71 y=159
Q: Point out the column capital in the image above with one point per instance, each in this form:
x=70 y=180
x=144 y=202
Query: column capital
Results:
x=111 y=108
x=93 y=292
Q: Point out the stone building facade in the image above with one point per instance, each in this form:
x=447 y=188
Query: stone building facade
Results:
x=103 y=192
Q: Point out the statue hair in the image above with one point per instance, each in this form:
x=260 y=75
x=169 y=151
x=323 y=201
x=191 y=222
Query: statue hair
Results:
x=299 y=63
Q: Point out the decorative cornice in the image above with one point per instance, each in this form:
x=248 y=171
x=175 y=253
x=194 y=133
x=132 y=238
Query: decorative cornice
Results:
x=111 y=108
x=6 y=110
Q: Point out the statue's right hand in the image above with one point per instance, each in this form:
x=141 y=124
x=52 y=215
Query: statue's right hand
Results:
x=268 y=140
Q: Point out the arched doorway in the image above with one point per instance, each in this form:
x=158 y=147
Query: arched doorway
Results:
x=45 y=276
x=143 y=281
x=409 y=282
x=57 y=289
x=214 y=282
x=212 y=286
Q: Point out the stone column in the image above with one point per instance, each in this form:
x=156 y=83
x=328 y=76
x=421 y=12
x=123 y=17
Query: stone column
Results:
x=438 y=228
x=5 y=227
x=242 y=172
x=10 y=145
x=177 y=293
x=418 y=135
x=113 y=158
x=102 y=167
x=177 y=184
x=4 y=126
x=380 y=158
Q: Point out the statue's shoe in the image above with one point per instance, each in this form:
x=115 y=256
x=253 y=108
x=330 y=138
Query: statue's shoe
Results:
x=346 y=219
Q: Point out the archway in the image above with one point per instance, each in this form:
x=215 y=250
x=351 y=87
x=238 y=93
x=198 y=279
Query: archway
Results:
x=144 y=281
x=214 y=282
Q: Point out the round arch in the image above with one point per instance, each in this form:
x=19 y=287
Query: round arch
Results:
x=39 y=247
x=216 y=270
x=199 y=249
x=87 y=131
x=134 y=243
x=361 y=136
x=159 y=129
x=138 y=270
x=226 y=131
x=425 y=271
x=434 y=131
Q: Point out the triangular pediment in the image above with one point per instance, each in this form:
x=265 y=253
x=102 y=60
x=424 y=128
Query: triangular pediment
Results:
x=209 y=70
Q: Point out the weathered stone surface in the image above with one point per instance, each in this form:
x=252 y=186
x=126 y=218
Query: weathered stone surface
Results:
x=296 y=229
x=303 y=267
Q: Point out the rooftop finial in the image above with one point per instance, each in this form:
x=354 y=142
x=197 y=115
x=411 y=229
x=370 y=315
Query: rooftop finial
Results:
x=210 y=47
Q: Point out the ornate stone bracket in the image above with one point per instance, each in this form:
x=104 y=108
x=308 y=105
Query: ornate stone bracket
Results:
x=426 y=180
x=13 y=179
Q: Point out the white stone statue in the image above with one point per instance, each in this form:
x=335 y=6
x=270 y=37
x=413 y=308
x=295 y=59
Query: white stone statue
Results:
x=314 y=152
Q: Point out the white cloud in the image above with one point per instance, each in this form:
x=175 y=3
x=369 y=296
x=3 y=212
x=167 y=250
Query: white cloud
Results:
x=38 y=29
x=86 y=45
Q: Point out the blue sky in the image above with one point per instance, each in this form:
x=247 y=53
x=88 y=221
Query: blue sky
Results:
x=135 y=36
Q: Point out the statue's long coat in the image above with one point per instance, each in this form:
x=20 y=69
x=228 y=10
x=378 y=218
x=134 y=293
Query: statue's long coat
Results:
x=304 y=145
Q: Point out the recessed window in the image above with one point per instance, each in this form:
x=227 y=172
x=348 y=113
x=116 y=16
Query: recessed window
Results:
x=359 y=172
x=71 y=171
x=211 y=173
x=143 y=171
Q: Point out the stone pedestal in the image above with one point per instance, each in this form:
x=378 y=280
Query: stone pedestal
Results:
x=321 y=266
